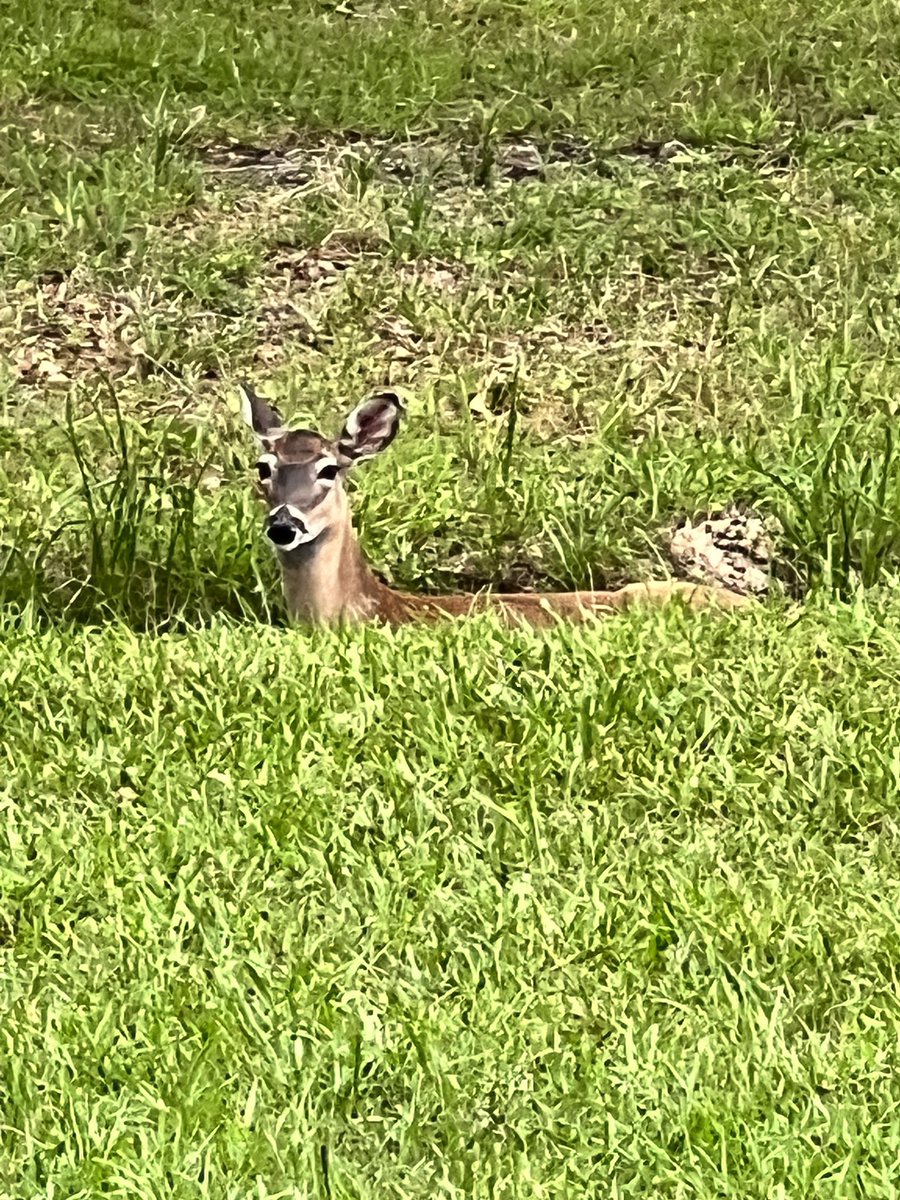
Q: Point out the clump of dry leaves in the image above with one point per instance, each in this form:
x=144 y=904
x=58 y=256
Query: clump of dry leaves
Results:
x=731 y=548
x=56 y=330
x=309 y=267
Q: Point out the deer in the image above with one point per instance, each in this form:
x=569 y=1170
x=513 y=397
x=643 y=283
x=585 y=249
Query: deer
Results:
x=325 y=577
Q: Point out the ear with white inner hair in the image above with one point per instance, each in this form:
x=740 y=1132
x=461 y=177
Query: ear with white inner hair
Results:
x=258 y=413
x=370 y=428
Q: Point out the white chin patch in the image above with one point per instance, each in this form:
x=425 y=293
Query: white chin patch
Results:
x=300 y=539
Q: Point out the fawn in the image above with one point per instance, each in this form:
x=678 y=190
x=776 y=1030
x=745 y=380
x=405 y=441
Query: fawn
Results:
x=325 y=576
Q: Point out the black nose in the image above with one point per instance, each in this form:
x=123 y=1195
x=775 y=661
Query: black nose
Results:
x=282 y=533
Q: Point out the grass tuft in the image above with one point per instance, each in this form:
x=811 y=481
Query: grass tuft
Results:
x=128 y=536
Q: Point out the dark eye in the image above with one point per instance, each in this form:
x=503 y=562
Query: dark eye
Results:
x=264 y=471
x=330 y=472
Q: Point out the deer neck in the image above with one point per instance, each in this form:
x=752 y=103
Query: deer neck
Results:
x=328 y=580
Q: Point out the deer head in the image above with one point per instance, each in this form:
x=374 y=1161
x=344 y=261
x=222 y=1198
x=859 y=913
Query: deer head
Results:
x=301 y=473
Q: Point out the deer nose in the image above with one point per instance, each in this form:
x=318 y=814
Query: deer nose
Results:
x=283 y=526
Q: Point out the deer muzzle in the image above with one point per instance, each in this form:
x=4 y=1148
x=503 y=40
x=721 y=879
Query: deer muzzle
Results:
x=284 y=527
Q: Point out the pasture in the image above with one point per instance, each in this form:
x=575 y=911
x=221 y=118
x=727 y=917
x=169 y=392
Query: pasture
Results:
x=453 y=911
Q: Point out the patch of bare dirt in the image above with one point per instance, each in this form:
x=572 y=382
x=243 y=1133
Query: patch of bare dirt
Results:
x=309 y=267
x=462 y=158
x=434 y=274
x=304 y=160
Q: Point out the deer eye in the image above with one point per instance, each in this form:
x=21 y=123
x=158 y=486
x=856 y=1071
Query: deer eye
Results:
x=329 y=474
x=264 y=471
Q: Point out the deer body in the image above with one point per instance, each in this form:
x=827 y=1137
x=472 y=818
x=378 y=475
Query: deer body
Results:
x=325 y=576
x=333 y=584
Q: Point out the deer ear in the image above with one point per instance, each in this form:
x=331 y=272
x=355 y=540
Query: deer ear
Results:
x=371 y=427
x=258 y=413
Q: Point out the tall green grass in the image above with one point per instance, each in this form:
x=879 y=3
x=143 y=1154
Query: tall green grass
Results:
x=132 y=533
x=153 y=521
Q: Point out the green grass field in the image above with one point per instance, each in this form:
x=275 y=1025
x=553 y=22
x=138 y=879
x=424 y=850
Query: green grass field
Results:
x=453 y=912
